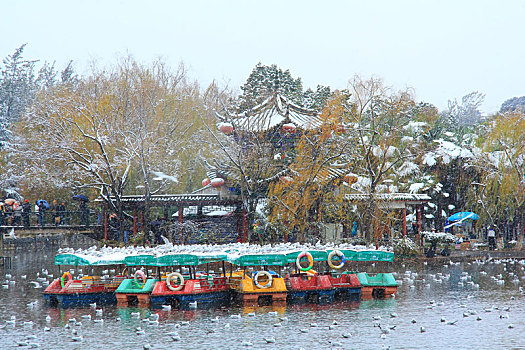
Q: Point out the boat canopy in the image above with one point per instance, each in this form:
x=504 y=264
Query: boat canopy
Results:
x=366 y=255
x=317 y=255
x=257 y=259
x=141 y=260
x=89 y=260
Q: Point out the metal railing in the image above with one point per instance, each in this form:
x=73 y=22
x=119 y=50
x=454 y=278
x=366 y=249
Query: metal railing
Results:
x=51 y=219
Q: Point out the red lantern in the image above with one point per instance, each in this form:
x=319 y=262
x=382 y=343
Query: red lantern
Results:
x=286 y=179
x=205 y=182
x=289 y=128
x=226 y=128
x=350 y=179
x=217 y=182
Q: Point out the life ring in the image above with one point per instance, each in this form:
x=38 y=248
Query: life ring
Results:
x=340 y=255
x=63 y=278
x=177 y=287
x=310 y=261
x=263 y=273
x=140 y=274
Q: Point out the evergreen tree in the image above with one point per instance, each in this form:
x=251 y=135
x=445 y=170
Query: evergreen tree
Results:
x=316 y=100
x=267 y=80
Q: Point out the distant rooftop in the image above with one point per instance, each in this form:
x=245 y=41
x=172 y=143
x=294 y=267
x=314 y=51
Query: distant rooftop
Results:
x=275 y=110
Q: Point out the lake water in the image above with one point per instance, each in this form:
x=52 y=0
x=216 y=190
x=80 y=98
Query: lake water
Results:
x=464 y=306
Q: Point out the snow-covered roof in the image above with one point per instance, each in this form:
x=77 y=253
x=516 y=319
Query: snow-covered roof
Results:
x=405 y=197
x=273 y=111
x=172 y=199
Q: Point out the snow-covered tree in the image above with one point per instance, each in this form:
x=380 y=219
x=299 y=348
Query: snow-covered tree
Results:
x=265 y=81
x=515 y=104
x=17 y=90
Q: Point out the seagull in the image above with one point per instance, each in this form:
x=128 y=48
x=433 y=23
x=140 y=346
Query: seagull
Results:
x=35 y=284
x=175 y=337
x=247 y=343
x=193 y=304
x=422 y=329
x=86 y=317
x=77 y=338
x=93 y=306
x=304 y=330
x=48 y=318
x=166 y=307
x=251 y=314
x=269 y=340
x=451 y=323
x=12 y=233
x=278 y=324
x=346 y=335
x=235 y=316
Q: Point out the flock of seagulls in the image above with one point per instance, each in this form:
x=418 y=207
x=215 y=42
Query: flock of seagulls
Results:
x=510 y=274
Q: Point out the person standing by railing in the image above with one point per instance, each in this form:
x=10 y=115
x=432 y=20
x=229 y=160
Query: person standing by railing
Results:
x=84 y=213
x=491 y=235
x=26 y=211
x=61 y=212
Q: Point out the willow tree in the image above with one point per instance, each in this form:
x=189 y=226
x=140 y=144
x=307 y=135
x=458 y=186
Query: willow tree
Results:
x=308 y=193
x=500 y=192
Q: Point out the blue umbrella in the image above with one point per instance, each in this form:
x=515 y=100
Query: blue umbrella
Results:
x=467 y=215
x=42 y=202
x=81 y=197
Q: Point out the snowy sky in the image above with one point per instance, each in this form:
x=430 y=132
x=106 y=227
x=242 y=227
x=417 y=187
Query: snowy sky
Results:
x=442 y=49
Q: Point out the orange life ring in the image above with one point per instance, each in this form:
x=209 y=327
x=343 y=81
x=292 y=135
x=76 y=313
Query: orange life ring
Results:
x=63 y=278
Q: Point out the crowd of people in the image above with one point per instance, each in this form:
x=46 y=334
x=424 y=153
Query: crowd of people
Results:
x=24 y=213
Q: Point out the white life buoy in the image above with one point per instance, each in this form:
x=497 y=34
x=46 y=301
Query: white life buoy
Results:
x=176 y=287
x=340 y=255
x=310 y=261
x=260 y=274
